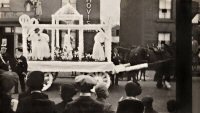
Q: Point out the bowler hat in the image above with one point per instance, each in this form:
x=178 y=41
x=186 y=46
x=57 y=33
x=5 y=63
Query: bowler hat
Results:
x=35 y=80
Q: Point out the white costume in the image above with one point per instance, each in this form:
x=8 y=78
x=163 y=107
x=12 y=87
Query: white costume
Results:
x=44 y=48
x=98 y=51
x=34 y=45
x=67 y=49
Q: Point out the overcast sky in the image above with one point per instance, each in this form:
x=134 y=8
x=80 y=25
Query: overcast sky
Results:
x=110 y=11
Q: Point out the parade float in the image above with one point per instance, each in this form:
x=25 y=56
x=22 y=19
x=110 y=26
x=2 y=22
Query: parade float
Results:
x=45 y=52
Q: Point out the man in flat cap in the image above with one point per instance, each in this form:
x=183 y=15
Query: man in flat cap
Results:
x=131 y=104
x=84 y=104
x=36 y=101
x=148 y=107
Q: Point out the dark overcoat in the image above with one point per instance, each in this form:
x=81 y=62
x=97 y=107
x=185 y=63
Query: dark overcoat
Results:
x=36 y=103
x=84 y=104
x=130 y=106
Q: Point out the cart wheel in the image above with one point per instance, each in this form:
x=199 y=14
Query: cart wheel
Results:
x=102 y=77
x=48 y=80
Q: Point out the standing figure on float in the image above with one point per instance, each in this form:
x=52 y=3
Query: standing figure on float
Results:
x=45 y=51
x=67 y=47
x=34 y=38
x=98 y=53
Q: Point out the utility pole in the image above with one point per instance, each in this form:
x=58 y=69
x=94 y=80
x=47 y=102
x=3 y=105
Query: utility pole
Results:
x=184 y=55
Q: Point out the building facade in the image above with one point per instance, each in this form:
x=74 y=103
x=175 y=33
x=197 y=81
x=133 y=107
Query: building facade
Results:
x=145 y=22
x=11 y=10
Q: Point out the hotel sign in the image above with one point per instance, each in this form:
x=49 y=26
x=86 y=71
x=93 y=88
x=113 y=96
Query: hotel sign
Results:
x=90 y=9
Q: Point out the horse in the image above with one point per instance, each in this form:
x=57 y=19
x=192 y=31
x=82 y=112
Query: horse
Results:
x=137 y=55
x=162 y=61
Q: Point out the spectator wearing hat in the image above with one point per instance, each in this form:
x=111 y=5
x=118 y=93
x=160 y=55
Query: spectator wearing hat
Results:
x=102 y=94
x=148 y=107
x=36 y=101
x=131 y=104
x=172 y=106
x=67 y=93
x=84 y=103
x=20 y=69
x=7 y=61
x=7 y=82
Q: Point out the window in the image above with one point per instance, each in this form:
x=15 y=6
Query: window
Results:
x=165 y=8
x=164 y=37
x=4 y=3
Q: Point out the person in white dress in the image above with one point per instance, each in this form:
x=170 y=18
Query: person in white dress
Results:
x=45 y=51
x=98 y=53
x=34 y=38
x=67 y=48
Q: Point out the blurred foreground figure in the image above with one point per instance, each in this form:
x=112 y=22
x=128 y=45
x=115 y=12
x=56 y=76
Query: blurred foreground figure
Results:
x=36 y=101
x=131 y=104
x=102 y=94
x=172 y=106
x=7 y=82
x=85 y=103
x=148 y=107
x=67 y=93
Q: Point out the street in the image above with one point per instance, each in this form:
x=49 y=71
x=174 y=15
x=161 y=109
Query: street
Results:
x=161 y=96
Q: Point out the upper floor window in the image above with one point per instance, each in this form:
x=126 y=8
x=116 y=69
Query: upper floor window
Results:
x=4 y=3
x=165 y=9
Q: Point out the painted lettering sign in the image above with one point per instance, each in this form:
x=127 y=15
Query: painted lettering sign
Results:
x=90 y=9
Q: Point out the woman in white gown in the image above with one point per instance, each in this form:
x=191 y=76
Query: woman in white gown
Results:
x=34 y=38
x=45 y=51
x=98 y=53
x=67 y=47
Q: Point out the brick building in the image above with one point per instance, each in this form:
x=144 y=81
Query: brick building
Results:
x=145 y=22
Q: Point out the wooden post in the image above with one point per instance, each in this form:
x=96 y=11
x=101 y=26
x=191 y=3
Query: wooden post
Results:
x=24 y=42
x=81 y=39
x=52 y=39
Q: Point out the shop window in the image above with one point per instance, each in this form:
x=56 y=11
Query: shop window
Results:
x=4 y=3
x=164 y=37
x=165 y=9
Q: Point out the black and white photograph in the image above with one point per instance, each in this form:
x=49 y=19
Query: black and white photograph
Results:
x=99 y=56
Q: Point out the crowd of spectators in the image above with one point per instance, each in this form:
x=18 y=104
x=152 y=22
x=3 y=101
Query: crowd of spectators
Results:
x=33 y=100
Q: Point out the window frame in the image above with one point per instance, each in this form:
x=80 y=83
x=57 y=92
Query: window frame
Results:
x=171 y=10
x=164 y=32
